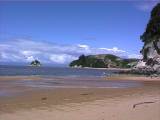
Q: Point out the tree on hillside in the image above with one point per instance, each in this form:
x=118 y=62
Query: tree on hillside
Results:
x=153 y=27
x=82 y=60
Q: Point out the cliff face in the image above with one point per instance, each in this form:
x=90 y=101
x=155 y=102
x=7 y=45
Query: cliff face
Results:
x=151 y=58
x=150 y=50
x=151 y=39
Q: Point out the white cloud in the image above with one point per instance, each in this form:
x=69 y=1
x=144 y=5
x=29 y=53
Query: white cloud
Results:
x=83 y=46
x=135 y=56
x=30 y=58
x=146 y=5
x=114 y=49
x=23 y=50
x=28 y=52
x=62 y=58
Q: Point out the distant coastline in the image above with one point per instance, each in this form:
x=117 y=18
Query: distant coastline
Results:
x=103 y=61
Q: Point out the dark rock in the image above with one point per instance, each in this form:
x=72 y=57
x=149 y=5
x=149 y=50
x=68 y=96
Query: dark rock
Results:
x=44 y=98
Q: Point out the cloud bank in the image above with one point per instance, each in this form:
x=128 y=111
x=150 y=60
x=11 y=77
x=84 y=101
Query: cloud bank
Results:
x=23 y=51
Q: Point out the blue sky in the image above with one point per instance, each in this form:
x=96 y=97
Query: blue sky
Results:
x=58 y=32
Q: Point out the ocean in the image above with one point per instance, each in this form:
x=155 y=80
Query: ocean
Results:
x=52 y=71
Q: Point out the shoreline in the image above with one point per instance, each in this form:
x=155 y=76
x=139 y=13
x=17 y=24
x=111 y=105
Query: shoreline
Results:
x=129 y=77
x=121 y=69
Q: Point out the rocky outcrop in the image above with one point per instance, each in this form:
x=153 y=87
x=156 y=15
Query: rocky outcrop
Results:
x=35 y=63
x=151 y=49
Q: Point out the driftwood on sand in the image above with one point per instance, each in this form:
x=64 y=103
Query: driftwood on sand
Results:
x=142 y=103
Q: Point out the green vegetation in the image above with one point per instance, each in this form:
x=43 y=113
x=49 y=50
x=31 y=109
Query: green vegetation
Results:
x=35 y=63
x=103 y=61
x=87 y=61
x=153 y=27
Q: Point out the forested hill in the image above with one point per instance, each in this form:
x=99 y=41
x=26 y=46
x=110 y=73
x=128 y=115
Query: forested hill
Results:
x=103 y=61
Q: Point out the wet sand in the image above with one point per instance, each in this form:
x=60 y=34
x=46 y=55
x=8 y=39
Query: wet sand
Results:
x=132 y=77
x=128 y=77
x=135 y=103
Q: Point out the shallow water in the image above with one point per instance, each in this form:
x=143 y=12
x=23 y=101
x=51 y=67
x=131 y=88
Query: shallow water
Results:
x=77 y=83
x=52 y=78
x=15 y=87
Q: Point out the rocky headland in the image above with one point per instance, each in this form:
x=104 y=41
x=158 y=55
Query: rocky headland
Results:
x=150 y=64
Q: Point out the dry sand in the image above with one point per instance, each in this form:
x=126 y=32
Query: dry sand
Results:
x=141 y=103
x=117 y=108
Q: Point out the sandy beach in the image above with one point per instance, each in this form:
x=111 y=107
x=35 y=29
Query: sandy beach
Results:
x=140 y=103
x=147 y=108
x=79 y=59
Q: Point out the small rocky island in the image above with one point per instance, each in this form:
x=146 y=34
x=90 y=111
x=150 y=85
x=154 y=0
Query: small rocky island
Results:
x=35 y=63
x=103 y=61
